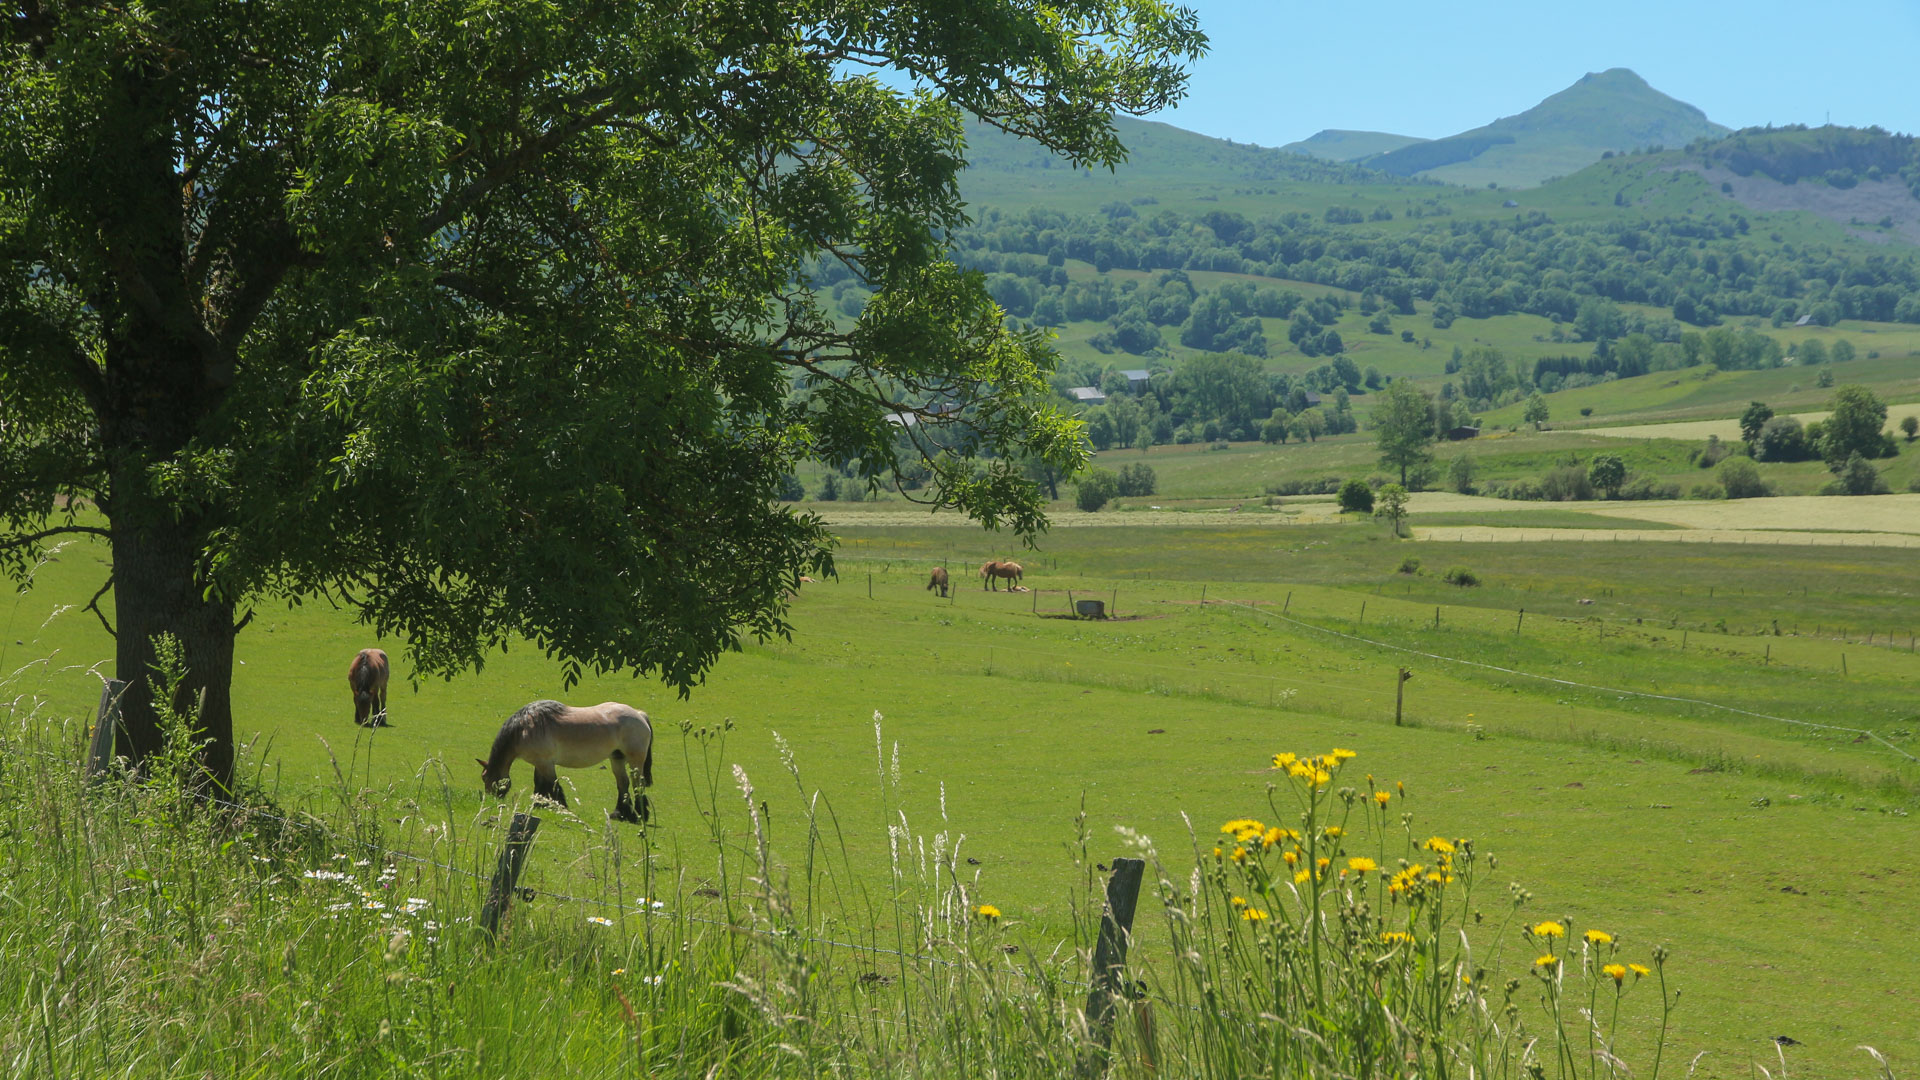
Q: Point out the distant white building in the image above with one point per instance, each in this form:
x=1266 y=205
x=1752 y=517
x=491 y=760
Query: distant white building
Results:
x=1087 y=395
x=1137 y=380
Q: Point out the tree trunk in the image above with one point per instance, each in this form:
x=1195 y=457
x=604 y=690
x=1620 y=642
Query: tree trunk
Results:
x=157 y=590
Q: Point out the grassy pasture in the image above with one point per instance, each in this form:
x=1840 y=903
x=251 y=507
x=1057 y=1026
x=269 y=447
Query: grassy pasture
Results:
x=1640 y=815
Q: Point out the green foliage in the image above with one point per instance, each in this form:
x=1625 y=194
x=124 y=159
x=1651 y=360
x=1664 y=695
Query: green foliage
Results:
x=1460 y=474
x=1391 y=505
x=1607 y=472
x=1856 y=476
x=1858 y=414
x=1095 y=489
x=1356 y=497
x=1536 y=412
x=1135 y=479
x=1403 y=422
x=1910 y=426
x=472 y=339
x=1753 y=420
x=1461 y=576
x=1409 y=565
x=1782 y=438
x=1740 y=478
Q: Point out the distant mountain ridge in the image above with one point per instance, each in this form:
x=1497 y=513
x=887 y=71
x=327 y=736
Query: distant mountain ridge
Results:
x=1613 y=110
x=1333 y=144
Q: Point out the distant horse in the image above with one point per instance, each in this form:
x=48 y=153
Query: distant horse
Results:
x=939 y=580
x=367 y=678
x=547 y=734
x=993 y=570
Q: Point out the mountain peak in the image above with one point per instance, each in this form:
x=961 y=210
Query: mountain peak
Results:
x=1614 y=110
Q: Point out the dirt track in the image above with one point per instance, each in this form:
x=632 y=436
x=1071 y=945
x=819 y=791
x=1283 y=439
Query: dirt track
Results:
x=1472 y=534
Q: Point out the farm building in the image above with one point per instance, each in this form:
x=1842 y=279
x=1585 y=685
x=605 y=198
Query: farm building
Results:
x=1463 y=433
x=1136 y=380
x=1087 y=395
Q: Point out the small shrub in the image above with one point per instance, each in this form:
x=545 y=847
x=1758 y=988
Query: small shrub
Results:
x=1586 y=410
x=1095 y=490
x=1568 y=483
x=1137 y=479
x=1356 y=497
x=1461 y=576
x=1741 y=480
x=1410 y=565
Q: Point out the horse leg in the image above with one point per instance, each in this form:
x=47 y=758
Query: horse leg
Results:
x=546 y=782
x=623 y=790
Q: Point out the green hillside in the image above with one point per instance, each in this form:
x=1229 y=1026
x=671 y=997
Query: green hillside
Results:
x=1613 y=110
x=1334 y=144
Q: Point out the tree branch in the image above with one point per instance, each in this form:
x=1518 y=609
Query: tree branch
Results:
x=513 y=164
x=93 y=605
x=58 y=530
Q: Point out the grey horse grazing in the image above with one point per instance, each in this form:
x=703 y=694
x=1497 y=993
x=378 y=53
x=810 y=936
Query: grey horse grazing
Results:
x=367 y=678
x=939 y=580
x=548 y=734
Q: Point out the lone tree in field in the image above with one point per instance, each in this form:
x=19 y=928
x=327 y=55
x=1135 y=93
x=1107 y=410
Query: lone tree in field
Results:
x=1536 y=410
x=1391 y=505
x=1910 y=426
x=1404 y=419
x=1607 y=472
x=1854 y=427
x=494 y=323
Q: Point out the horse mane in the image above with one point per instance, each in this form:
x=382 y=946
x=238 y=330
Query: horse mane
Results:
x=515 y=729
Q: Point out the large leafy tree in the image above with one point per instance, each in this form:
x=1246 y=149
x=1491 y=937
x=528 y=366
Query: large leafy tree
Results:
x=1403 y=421
x=491 y=319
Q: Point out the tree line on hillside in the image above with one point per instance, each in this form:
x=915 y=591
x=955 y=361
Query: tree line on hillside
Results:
x=1703 y=268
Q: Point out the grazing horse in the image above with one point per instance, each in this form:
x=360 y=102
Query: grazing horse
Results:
x=367 y=678
x=548 y=734
x=993 y=570
x=939 y=580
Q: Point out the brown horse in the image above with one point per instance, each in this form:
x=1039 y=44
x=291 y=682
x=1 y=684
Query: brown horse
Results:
x=547 y=734
x=367 y=678
x=939 y=580
x=994 y=570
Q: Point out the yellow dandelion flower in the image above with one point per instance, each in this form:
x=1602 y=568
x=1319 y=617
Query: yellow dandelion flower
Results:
x=1343 y=755
x=619 y=971
x=1281 y=761
x=1253 y=914
x=1440 y=844
x=1397 y=937
x=1302 y=875
x=1322 y=863
x=1599 y=937
x=1272 y=837
x=1239 y=901
x=1239 y=854
x=1299 y=771
x=1291 y=857
x=1362 y=865
x=1639 y=970
x=1380 y=797
x=987 y=911
x=1547 y=961
x=1616 y=972
x=1548 y=930
x=1401 y=788
x=1217 y=852
x=1321 y=777
x=1335 y=830
x=1240 y=825
x=1468 y=979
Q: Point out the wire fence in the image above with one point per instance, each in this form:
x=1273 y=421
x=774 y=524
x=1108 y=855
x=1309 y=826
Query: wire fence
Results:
x=1556 y=680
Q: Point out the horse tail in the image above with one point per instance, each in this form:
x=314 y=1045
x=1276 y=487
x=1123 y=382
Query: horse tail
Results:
x=646 y=766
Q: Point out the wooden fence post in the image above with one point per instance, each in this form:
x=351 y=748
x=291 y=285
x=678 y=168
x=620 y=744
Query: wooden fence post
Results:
x=1288 y=604
x=1400 y=694
x=506 y=874
x=1436 y=618
x=106 y=725
x=1110 y=962
x=1516 y=622
x=1363 y=613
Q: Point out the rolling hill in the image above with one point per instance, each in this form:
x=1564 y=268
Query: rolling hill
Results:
x=1613 y=110
x=1334 y=144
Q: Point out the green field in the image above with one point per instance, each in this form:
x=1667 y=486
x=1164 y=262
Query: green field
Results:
x=1655 y=818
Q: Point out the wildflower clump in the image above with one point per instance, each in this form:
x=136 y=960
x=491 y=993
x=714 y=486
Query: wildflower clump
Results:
x=1322 y=915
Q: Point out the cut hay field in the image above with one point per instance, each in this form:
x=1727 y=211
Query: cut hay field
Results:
x=1728 y=430
x=1761 y=851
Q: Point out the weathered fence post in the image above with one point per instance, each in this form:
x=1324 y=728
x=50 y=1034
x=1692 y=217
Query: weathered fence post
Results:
x=1110 y=961
x=106 y=725
x=506 y=874
x=1400 y=694
x=1516 y=622
x=1363 y=613
x=1436 y=618
x=1284 y=607
x=1203 y=594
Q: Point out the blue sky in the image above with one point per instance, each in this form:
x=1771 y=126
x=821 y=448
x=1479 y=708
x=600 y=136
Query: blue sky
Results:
x=1282 y=71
